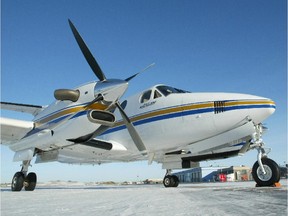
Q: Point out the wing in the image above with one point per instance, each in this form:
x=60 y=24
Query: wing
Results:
x=13 y=130
x=26 y=108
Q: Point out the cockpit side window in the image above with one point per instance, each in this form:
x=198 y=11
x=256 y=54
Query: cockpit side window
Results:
x=145 y=96
x=157 y=94
x=167 y=90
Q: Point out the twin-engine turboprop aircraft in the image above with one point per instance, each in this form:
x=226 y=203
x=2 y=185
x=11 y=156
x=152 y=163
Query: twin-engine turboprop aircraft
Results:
x=163 y=124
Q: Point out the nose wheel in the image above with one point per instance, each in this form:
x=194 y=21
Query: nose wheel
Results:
x=265 y=171
x=267 y=177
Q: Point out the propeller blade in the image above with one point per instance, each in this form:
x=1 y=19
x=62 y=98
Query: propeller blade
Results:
x=98 y=98
x=87 y=54
x=131 y=77
x=132 y=131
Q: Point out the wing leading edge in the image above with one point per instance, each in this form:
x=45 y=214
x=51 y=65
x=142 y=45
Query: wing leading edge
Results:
x=26 y=108
x=13 y=129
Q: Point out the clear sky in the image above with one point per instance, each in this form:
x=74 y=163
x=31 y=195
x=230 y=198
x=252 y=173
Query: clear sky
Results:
x=201 y=46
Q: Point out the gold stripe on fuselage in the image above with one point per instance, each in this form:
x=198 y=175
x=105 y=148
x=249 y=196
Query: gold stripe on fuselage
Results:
x=171 y=110
x=177 y=109
x=96 y=106
x=196 y=106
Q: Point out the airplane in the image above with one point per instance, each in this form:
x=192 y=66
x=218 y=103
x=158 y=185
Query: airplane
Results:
x=163 y=124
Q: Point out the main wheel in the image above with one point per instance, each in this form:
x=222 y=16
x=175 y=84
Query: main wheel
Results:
x=30 y=181
x=168 y=181
x=17 y=181
x=171 y=181
x=176 y=181
x=271 y=176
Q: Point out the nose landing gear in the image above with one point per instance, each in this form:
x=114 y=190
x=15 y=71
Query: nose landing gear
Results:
x=269 y=176
x=265 y=171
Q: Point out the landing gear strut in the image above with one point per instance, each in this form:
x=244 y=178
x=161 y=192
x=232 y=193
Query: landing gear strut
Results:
x=265 y=171
x=21 y=179
x=170 y=180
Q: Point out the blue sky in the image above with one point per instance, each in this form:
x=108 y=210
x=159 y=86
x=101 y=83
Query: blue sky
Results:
x=200 y=46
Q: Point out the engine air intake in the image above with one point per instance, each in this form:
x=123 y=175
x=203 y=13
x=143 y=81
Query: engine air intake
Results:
x=101 y=117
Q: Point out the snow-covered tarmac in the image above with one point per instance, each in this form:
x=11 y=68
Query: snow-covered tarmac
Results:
x=241 y=198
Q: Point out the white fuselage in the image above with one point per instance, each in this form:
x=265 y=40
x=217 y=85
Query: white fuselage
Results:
x=179 y=119
x=166 y=119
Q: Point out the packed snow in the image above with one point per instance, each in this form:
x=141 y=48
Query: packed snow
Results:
x=230 y=198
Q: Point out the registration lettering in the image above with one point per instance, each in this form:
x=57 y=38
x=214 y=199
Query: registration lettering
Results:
x=147 y=104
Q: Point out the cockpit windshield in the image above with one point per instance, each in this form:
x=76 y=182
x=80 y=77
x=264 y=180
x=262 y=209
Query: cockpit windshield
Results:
x=167 y=90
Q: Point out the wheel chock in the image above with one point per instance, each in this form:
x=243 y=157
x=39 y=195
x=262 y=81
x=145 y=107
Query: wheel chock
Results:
x=277 y=184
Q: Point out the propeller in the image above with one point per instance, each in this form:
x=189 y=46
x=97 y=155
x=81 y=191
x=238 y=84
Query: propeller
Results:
x=87 y=54
x=133 y=76
x=132 y=131
x=101 y=76
x=98 y=98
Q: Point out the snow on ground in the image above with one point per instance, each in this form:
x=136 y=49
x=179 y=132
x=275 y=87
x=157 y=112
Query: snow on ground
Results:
x=241 y=198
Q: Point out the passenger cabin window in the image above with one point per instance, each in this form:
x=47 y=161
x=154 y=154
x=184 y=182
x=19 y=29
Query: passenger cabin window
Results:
x=145 y=96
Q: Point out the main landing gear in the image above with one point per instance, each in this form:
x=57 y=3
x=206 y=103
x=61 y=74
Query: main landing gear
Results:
x=265 y=171
x=170 y=180
x=21 y=179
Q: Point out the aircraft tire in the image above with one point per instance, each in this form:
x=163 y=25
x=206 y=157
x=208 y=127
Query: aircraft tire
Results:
x=168 y=181
x=176 y=181
x=272 y=173
x=171 y=181
x=30 y=181
x=17 y=181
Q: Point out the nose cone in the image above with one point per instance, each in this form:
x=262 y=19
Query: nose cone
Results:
x=259 y=108
x=265 y=107
x=269 y=105
x=240 y=106
x=111 y=89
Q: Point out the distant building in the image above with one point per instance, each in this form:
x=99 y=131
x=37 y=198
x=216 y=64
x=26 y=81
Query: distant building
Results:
x=213 y=174
x=236 y=173
x=153 y=181
x=198 y=174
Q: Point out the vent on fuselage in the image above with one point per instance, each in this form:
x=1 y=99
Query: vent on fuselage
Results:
x=219 y=107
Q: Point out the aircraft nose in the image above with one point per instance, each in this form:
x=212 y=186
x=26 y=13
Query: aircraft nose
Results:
x=269 y=106
x=261 y=108
x=245 y=105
